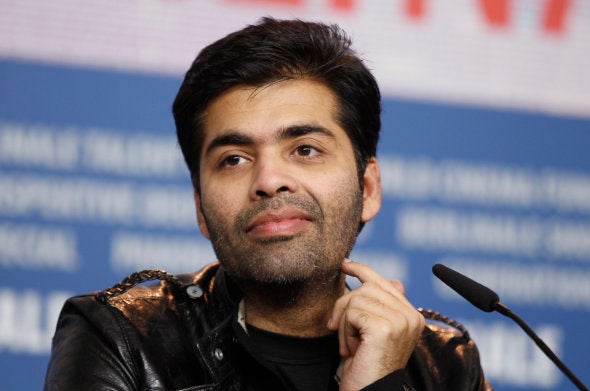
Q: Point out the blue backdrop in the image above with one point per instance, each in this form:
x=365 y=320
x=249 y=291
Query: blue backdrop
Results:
x=92 y=187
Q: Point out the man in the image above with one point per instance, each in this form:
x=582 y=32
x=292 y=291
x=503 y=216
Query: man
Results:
x=278 y=124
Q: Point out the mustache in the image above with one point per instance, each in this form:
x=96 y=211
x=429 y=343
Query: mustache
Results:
x=310 y=207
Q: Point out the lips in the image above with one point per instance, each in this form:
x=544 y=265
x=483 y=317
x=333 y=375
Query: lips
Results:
x=282 y=222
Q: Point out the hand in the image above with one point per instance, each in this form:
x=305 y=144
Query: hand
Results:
x=377 y=327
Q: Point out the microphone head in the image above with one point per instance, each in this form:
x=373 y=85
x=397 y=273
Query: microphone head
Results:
x=480 y=296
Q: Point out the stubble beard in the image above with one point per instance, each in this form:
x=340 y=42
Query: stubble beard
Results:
x=308 y=258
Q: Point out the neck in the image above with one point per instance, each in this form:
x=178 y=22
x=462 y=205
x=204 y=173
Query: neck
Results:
x=299 y=309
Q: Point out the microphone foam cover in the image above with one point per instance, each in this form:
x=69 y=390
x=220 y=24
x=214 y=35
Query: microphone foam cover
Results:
x=480 y=296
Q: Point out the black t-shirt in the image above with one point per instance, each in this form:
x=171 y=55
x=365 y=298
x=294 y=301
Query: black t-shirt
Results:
x=301 y=364
x=271 y=361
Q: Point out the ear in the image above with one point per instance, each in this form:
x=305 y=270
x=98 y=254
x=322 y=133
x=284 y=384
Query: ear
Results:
x=371 y=191
x=200 y=216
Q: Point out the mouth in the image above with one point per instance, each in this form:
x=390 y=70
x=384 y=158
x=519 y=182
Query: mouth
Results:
x=278 y=223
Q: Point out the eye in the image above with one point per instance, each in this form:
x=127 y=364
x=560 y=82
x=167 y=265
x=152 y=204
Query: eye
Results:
x=306 y=151
x=232 y=160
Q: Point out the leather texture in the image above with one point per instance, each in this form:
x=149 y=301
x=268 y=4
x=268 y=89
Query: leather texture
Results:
x=177 y=335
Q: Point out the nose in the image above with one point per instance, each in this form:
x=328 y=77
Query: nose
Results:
x=271 y=177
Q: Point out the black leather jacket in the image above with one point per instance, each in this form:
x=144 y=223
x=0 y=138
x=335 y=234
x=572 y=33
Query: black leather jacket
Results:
x=178 y=335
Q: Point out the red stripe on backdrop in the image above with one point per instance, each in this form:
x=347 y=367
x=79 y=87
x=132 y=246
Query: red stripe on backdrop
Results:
x=344 y=5
x=415 y=8
x=496 y=12
x=277 y=2
x=555 y=14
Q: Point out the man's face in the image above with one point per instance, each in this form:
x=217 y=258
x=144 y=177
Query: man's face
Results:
x=279 y=193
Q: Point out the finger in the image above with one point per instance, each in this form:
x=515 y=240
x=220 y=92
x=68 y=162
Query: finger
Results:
x=366 y=274
x=353 y=324
x=397 y=284
x=336 y=317
x=348 y=338
x=361 y=271
x=365 y=317
x=368 y=294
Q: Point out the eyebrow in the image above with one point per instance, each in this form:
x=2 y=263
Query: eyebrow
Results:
x=234 y=137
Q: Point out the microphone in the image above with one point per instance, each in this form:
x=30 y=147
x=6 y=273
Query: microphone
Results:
x=487 y=300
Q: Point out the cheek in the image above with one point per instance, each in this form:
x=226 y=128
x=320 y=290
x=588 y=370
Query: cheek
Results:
x=221 y=205
x=334 y=189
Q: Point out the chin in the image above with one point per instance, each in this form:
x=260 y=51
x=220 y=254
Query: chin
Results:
x=292 y=273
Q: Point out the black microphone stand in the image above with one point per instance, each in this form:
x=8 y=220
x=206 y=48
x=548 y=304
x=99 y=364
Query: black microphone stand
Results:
x=501 y=308
x=487 y=300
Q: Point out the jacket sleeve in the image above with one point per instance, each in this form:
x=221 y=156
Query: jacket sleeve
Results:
x=395 y=381
x=84 y=355
x=445 y=359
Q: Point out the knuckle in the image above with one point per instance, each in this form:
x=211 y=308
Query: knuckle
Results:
x=369 y=286
x=357 y=301
x=388 y=329
x=418 y=320
x=358 y=316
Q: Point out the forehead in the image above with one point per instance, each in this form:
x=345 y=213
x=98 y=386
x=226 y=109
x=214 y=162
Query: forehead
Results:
x=259 y=112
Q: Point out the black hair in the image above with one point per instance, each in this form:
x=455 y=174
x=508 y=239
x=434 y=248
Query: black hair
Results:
x=275 y=50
